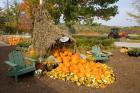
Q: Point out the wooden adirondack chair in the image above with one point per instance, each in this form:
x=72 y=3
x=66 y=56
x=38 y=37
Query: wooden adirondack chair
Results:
x=18 y=64
x=99 y=56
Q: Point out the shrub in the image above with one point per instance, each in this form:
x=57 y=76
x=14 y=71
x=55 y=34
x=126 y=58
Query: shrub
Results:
x=134 y=37
x=24 y=44
x=85 y=43
x=107 y=42
x=134 y=52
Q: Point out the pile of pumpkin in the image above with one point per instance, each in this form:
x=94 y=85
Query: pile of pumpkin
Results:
x=81 y=71
x=14 y=40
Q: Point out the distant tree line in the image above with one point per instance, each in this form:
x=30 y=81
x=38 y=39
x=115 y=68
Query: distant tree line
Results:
x=20 y=16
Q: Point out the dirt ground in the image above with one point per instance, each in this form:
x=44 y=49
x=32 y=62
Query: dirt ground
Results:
x=127 y=71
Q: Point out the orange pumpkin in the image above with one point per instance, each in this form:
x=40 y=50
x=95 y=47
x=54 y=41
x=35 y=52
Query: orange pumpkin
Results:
x=62 y=55
x=56 y=54
x=76 y=57
x=81 y=74
x=66 y=53
x=71 y=68
x=76 y=70
x=66 y=59
x=82 y=61
x=59 y=59
x=69 y=54
x=74 y=62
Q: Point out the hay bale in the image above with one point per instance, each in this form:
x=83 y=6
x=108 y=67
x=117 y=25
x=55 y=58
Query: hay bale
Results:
x=45 y=33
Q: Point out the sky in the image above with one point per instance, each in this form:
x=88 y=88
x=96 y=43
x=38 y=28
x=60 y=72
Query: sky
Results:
x=1 y=3
x=120 y=19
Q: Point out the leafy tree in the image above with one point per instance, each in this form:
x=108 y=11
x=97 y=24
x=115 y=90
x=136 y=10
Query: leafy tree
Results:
x=15 y=18
x=12 y=14
x=136 y=17
x=16 y=13
x=2 y=19
x=74 y=10
x=24 y=24
x=29 y=7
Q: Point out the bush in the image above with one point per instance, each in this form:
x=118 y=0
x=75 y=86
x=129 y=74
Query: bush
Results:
x=24 y=44
x=134 y=52
x=134 y=37
x=85 y=43
x=107 y=42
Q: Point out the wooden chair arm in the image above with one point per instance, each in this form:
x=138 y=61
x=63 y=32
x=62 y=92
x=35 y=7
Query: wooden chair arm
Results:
x=108 y=53
x=30 y=59
x=10 y=63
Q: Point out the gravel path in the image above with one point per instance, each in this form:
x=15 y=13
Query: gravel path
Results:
x=125 y=44
x=3 y=44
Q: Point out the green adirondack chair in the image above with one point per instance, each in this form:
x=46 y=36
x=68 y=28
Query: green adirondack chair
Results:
x=18 y=65
x=99 y=55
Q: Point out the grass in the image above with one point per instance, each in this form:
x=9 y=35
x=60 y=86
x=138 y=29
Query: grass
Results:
x=134 y=37
x=133 y=41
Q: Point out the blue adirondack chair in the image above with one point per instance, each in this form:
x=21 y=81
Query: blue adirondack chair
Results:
x=99 y=55
x=18 y=65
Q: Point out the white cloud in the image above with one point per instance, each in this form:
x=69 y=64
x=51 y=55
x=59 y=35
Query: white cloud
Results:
x=122 y=19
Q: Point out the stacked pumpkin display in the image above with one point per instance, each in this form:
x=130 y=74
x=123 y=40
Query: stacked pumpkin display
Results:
x=72 y=67
x=14 y=40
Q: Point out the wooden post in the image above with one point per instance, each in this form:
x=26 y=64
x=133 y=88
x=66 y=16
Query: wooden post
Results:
x=41 y=2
